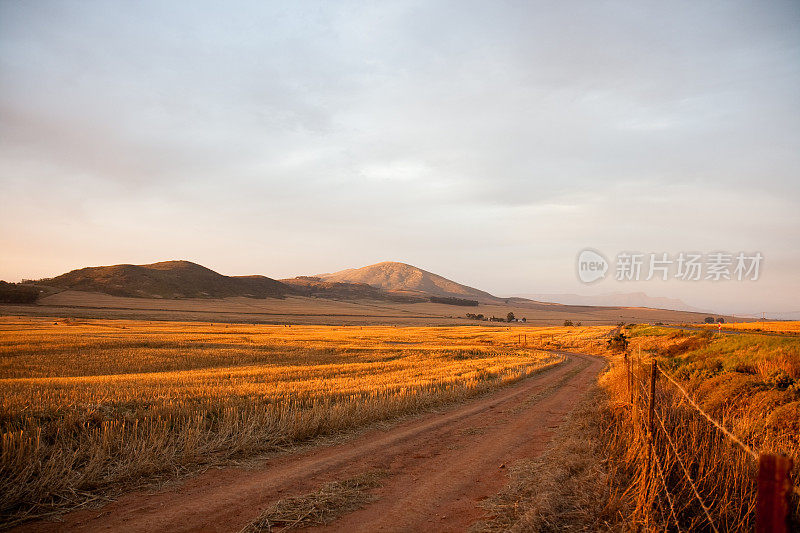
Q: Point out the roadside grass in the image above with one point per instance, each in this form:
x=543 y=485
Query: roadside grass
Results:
x=593 y=475
x=90 y=407
x=748 y=383
x=321 y=507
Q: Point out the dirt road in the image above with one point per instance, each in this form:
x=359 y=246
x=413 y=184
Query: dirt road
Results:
x=440 y=466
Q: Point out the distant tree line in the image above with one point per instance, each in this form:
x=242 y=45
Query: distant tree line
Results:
x=509 y=318
x=13 y=293
x=454 y=301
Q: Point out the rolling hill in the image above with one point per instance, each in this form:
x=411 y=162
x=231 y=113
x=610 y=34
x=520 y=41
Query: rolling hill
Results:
x=402 y=278
x=168 y=279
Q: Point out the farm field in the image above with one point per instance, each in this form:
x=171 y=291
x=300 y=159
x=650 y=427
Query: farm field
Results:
x=781 y=327
x=94 y=405
x=94 y=409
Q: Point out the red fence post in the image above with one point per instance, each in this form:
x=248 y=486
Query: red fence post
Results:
x=774 y=491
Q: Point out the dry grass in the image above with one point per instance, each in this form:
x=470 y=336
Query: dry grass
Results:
x=94 y=405
x=747 y=382
x=318 y=508
x=594 y=476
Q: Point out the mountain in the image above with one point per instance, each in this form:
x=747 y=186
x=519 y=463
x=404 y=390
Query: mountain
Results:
x=617 y=299
x=168 y=279
x=402 y=278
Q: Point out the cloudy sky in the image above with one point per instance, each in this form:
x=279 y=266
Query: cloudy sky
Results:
x=485 y=141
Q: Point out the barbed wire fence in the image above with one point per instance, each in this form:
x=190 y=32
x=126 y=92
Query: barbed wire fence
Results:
x=754 y=483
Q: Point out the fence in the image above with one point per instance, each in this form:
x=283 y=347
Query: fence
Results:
x=652 y=415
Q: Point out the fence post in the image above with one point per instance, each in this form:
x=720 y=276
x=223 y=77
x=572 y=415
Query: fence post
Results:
x=628 y=376
x=774 y=491
x=651 y=409
x=650 y=418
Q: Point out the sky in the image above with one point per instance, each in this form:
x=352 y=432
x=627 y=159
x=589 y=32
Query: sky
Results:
x=489 y=142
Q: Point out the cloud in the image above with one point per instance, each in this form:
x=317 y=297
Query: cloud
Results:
x=437 y=131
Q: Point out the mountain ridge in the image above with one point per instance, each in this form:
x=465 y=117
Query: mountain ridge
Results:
x=404 y=278
x=166 y=279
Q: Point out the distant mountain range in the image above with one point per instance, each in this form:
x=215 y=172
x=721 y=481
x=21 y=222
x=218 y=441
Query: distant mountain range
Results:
x=388 y=281
x=617 y=299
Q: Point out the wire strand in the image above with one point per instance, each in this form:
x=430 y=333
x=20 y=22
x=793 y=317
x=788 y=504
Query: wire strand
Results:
x=719 y=426
x=666 y=490
x=687 y=475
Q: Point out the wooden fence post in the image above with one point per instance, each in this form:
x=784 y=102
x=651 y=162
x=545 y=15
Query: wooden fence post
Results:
x=650 y=418
x=774 y=491
x=628 y=376
x=651 y=409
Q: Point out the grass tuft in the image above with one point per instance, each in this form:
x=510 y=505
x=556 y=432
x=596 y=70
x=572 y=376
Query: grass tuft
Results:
x=321 y=507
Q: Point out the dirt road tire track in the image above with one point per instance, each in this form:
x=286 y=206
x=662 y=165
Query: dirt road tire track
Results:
x=441 y=466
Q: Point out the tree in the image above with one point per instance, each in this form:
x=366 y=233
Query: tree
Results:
x=567 y=323
x=709 y=320
x=720 y=320
x=510 y=317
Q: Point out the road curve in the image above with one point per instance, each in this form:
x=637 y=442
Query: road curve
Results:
x=440 y=466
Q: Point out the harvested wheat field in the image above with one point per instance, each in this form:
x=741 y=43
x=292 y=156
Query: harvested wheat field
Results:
x=91 y=407
x=179 y=426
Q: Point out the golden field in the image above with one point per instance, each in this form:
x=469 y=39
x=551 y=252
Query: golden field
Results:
x=784 y=327
x=89 y=405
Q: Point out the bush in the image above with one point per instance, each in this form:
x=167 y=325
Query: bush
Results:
x=567 y=323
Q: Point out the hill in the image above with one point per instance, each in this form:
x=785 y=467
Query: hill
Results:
x=168 y=279
x=403 y=278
